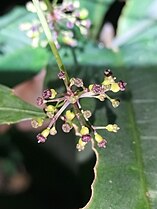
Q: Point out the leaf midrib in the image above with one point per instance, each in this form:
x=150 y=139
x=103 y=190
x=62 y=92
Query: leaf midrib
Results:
x=138 y=151
x=19 y=110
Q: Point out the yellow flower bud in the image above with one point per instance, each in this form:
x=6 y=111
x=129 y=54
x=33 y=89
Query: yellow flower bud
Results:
x=98 y=137
x=50 y=108
x=108 y=80
x=37 y=122
x=81 y=145
x=90 y=87
x=115 y=87
x=53 y=93
x=53 y=131
x=45 y=132
x=84 y=130
x=115 y=102
x=69 y=115
x=83 y=13
x=112 y=128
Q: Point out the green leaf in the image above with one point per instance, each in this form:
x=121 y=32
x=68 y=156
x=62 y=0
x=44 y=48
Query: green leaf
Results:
x=16 y=46
x=136 y=33
x=126 y=171
x=13 y=109
x=97 y=10
x=26 y=58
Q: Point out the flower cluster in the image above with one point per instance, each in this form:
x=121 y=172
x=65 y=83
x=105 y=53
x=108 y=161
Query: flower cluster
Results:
x=65 y=22
x=75 y=117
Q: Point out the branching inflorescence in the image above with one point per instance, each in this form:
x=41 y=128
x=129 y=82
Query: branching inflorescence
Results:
x=66 y=21
x=75 y=117
x=67 y=106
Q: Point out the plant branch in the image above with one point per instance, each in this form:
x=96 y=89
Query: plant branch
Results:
x=50 y=40
x=49 y=5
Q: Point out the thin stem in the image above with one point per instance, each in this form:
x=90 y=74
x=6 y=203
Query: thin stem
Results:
x=74 y=56
x=54 y=119
x=49 y=5
x=50 y=41
x=55 y=2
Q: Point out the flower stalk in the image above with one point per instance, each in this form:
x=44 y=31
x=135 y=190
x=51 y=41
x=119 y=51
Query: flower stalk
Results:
x=50 y=41
x=74 y=117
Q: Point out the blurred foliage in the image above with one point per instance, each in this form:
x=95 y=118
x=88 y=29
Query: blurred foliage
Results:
x=13 y=109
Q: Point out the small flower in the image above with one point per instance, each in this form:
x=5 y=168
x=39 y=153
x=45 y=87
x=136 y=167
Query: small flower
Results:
x=97 y=89
x=37 y=122
x=87 y=114
x=86 y=138
x=100 y=141
x=53 y=131
x=108 y=73
x=122 y=85
x=76 y=81
x=49 y=94
x=42 y=137
x=61 y=75
x=83 y=14
x=112 y=128
x=69 y=115
x=70 y=25
x=115 y=102
x=84 y=130
x=46 y=94
x=102 y=144
x=101 y=97
x=115 y=87
x=66 y=127
x=81 y=145
x=39 y=101
x=50 y=108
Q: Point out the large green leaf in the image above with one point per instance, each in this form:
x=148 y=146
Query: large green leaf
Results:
x=13 y=109
x=137 y=24
x=126 y=171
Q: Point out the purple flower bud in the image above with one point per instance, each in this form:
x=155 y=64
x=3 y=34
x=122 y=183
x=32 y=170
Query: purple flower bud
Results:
x=97 y=89
x=108 y=73
x=102 y=143
x=70 y=7
x=86 y=138
x=46 y=93
x=77 y=82
x=70 y=25
x=41 y=138
x=122 y=85
x=39 y=101
x=34 y=28
x=88 y=23
x=61 y=75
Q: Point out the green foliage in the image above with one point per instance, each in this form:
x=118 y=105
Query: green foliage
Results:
x=97 y=10
x=13 y=109
x=136 y=33
x=16 y=49
x=126 y=172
